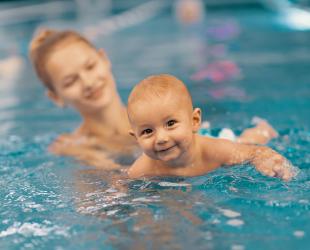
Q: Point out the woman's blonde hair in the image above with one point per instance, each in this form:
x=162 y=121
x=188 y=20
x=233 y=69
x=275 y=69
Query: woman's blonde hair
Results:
x=43 y=44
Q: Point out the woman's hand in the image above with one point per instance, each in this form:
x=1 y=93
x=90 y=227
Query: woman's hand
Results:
x=83 y=150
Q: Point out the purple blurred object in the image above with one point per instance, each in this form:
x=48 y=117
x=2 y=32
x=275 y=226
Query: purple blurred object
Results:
x=224 y=31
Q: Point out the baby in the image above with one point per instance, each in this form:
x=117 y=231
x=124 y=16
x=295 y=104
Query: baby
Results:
x=165 y=126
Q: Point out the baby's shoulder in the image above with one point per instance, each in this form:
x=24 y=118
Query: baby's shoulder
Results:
x=141 y=167
x=213 y=147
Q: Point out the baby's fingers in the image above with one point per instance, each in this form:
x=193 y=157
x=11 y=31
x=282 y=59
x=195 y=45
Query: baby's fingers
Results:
x=289 y=173
x=284 y=171
x=287 y=176
x=268 y=172
x=278 y=170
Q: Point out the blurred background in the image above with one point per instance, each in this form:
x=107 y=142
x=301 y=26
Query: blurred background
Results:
x=239 y=58
x=230 y=52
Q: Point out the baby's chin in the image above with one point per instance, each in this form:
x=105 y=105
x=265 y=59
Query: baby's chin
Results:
x=168 y=159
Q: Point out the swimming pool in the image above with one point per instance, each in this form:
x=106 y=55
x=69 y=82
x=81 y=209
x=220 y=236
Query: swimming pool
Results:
x=240 y=63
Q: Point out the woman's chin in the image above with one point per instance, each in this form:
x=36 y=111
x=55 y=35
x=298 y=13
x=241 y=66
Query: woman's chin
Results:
x=94 y=105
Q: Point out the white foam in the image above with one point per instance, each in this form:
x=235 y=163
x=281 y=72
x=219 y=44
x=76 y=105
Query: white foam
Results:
x=233 y=189
x=120 y=195
x=235 y=222
x=33 y=229
x=299 y=233
x=6 y=221
x=172 y=184
x=35 y=206
x=216 y=221
x=227 y=134
x=237 y=247
x=145 y=199
x=112 y=212
x=229 y=213
x=111 y=190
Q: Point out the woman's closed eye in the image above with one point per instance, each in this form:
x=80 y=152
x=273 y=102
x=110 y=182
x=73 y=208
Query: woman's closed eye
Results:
x=70 y=81
x=171 y=123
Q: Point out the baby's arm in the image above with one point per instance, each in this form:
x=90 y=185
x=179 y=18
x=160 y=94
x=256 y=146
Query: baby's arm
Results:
x=139 y=168
x=266 y=160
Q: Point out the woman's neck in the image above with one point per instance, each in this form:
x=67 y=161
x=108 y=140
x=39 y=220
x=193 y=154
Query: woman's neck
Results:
x=111 y=120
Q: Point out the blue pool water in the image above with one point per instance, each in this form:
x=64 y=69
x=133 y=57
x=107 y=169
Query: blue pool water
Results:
x=238 y=64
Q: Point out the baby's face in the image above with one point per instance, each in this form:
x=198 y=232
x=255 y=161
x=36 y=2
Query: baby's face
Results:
x=164 y=128
x=80 y=75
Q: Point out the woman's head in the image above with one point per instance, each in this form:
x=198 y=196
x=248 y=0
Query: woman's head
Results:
x=43 y=44
x=72 y=69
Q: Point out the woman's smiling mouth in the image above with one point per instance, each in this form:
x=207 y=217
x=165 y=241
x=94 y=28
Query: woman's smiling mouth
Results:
x=95 y=94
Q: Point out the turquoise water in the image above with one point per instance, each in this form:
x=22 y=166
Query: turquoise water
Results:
x=238 y=64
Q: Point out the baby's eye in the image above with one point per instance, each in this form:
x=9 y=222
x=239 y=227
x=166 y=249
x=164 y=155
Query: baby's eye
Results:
x=171 y=123
x=147 y=131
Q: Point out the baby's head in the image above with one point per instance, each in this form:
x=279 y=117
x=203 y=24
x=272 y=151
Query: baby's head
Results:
x=162 y=117
x=159 y=87
x=71 y=68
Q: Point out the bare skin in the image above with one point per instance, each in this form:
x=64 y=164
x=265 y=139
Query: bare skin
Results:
x=211 y=153
x=172 y=147
x=81 y=77
x=87 y=84
x=262 y=133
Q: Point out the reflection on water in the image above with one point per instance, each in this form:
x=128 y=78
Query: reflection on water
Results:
x=47 y=199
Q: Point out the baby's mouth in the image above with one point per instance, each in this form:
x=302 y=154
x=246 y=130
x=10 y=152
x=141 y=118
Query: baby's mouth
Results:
x=165 y=150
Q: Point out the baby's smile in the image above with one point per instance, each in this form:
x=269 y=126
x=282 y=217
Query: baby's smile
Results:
x=165 y=149
x=165 y=154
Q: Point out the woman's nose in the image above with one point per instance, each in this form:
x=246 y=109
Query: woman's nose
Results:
x=86 y=80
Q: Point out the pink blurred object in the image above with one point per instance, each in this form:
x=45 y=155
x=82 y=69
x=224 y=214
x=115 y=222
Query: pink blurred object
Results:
x=217 y=72
x=228 y=92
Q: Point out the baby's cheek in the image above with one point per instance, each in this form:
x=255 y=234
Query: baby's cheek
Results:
x=185 y=141
x=145 y=145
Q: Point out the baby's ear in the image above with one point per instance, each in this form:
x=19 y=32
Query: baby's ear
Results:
x=132 y=133
x=55 y=98
x=196 y=116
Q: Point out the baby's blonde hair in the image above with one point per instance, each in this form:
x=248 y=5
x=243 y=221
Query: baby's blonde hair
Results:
x=159 y=86
x=43 y=44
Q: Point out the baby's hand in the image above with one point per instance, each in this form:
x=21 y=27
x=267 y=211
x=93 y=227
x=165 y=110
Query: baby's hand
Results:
x=275 y=165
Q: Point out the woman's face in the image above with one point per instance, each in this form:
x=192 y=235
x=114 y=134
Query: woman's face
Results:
x=81 y=77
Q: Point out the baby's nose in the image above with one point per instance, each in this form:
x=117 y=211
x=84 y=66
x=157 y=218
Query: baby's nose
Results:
x=161 y=137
